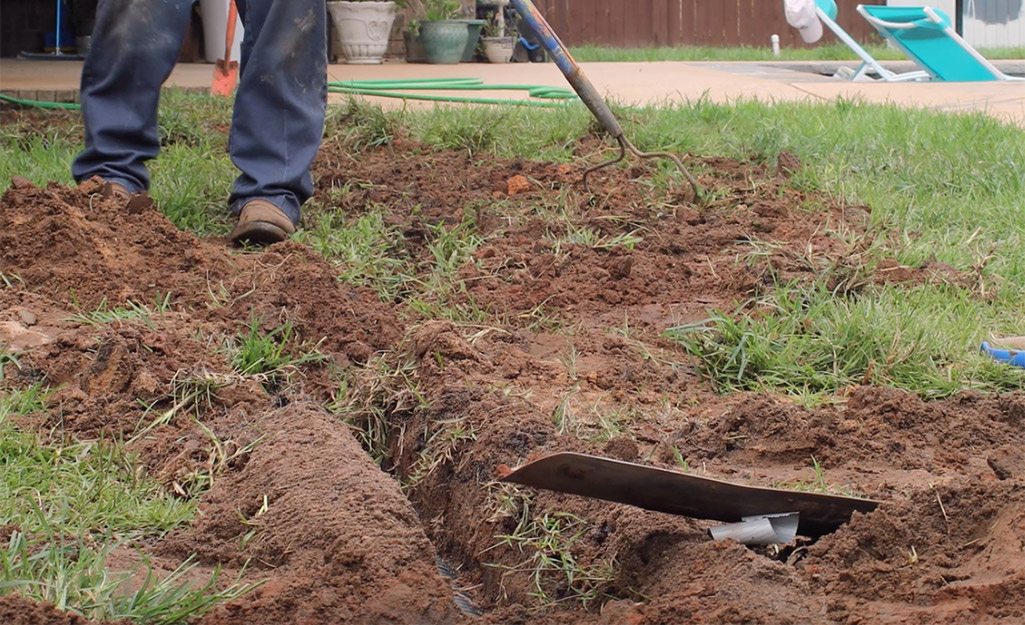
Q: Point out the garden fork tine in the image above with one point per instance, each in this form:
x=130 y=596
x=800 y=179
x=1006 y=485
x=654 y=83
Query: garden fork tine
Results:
x=576 y=78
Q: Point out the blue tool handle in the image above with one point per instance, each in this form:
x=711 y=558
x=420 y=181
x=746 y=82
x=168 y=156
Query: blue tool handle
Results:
x=574 y=75
x=1010 y=356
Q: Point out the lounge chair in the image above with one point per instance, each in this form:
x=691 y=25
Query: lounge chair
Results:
x=826 y=10
x=925 y=35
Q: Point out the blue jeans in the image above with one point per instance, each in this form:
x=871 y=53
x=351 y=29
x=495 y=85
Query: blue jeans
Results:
x=278 y=119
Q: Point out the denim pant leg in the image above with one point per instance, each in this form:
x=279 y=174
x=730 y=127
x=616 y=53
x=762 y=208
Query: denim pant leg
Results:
x=135 y=45
x=279 y=108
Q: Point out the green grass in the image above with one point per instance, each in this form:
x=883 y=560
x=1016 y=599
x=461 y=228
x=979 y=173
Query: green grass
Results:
x=365 y=250
x=81 y=488
x=270 y=355
x=72 y=575
x=131 y=311
x=826 y=52
x=547 y=544
x=817 y=484
x=39 y=156
x=512 y=132
x=70 y=504
x=805 y=340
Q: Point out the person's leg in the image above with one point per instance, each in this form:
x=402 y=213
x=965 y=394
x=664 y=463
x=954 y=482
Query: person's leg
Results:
x=135 y=44
x=279 y=108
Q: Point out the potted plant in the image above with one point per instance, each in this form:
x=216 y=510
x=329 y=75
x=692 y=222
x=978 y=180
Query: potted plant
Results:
x=363 y=27
x=443 y=36
x=411 y=35
x=499 y=40
x=474 y=27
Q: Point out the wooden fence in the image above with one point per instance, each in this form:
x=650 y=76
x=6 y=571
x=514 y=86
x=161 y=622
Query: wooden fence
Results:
x=650 y=23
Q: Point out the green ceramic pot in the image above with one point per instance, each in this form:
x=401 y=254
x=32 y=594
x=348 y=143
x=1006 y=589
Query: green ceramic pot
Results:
x=444 y=40
x=473 y=28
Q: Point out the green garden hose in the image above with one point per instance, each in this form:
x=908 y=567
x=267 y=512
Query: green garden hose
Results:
x=40 y=104
x=546 y=96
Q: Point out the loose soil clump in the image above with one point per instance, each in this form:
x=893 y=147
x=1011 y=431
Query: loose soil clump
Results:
x=361 y=486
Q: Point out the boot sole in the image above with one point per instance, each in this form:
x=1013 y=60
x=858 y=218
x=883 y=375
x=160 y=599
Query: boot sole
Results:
x=258 y=233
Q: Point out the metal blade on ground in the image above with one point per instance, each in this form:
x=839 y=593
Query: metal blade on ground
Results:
x=662 y=490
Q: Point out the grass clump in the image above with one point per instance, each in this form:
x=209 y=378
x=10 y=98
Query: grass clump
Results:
x=438 y=293
x=269 y=354
x=80 y=487
x=131 y=311
x=193 y=120
x=365 y=251
x=21 y=401
x=39 y=154
x=440 y=448
x=72 y=575
x=370 y=397
x=817 y=484
x=509 y=133
x=68 y=506
x=804 y=340
x=359 y=126
x=548 y=544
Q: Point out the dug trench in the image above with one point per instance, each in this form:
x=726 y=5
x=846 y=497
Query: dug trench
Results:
x=339 y=483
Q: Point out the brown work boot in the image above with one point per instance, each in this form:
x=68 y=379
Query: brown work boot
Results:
x=261 y=223
x=117 y=190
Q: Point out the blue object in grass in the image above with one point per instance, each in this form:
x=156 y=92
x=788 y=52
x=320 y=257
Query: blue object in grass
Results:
x=1014 y=357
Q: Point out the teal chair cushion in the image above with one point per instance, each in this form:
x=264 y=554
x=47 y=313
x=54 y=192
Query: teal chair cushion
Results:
x=934 y=46
x=828 y=7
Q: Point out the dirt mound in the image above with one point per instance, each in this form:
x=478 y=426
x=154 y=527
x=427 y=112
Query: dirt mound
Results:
x=577 y=289
x=73 y=252
x=331 y=525
x=947 y=540
x=621 y=250
x=952 y=555
x=947 y=440
x=84 y=251
x=80 y=249
x=15 y=610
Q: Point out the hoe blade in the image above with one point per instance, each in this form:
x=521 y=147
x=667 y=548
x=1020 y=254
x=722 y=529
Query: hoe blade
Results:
x=662 y=490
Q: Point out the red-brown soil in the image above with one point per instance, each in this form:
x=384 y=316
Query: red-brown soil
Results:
x=571 y=357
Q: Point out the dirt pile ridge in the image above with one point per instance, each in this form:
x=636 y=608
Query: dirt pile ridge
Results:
x=572 y=358
x=947 y=541
x=331 y=526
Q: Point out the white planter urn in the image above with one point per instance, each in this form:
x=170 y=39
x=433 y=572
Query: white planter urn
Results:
x=362 y=29
x=498 y=49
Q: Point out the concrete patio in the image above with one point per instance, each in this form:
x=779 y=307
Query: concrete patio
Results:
x=628 y=83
